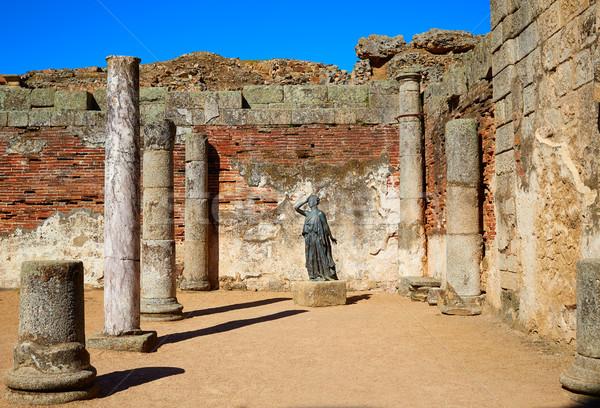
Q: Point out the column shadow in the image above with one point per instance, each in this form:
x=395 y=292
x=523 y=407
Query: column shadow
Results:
x=224 y=327
x=352 y=300
x=118 y=381
x=236 y=306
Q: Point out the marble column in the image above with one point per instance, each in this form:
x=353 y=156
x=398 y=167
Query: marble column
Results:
x=463 y=238
x=195 y=275
x=51 y=364
x=411 y=229
x=159 y=301
x=582 y=380
x=122 y=211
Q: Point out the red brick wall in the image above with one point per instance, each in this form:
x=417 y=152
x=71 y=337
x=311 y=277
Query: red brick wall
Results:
x=66 y=175
x=287 y=147
x=435 y=159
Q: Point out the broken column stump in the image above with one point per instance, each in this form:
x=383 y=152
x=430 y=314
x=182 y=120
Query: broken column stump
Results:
x=417 y=287
x=319 y=293
x=158 y=293
x=122 y=212
x=582 y=380
x=51 y=364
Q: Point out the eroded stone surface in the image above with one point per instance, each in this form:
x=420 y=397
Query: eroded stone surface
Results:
x=319 y=294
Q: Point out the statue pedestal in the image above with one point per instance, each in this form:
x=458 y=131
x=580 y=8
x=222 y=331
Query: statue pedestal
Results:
x=319 y=293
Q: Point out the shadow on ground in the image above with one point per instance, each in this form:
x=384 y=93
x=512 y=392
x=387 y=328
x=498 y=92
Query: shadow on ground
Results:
x=237 y=306
x=118 y=381
x=352 y=300
x=224 y=327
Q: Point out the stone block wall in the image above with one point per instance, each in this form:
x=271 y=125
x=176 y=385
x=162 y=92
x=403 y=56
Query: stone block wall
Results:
x=546 y=159
x=268 y=147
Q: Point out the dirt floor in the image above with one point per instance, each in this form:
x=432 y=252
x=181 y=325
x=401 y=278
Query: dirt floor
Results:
x=256 y=349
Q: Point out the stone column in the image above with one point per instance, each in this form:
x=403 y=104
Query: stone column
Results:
x=122 y=211
x=582 y=380
x=463 y=238
x=51 y=364
x=195 y=275
x=411 y=231
x=159 y=301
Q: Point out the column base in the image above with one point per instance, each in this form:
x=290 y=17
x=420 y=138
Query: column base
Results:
x=582 y=381
x=319 y=293
x=48 y=397
x=160 y=309
x=196 y=285
x=144 y=342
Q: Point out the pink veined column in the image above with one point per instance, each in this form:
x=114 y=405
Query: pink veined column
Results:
x=122 y=198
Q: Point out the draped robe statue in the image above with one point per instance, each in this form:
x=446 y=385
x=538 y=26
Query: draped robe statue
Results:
x=317 y=240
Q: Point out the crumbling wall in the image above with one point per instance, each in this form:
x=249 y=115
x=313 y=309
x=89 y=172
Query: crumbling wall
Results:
x=546 y=159
x=269 y=146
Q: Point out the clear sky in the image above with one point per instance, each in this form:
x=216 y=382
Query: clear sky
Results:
x=43 y=34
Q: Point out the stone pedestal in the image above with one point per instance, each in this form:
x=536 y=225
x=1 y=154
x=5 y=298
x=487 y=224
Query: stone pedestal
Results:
x=463 y=239
x=195 y=274
x=159 y=301
x=411 y=230
x=51 y=364
x=122 y=202
x=582 y=380
x=319 y=293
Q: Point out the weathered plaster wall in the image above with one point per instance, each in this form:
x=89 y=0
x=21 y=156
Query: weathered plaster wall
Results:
x=267 y=145
x=546 y=159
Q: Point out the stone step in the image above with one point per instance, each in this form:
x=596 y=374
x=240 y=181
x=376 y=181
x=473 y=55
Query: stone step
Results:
x=418 y=284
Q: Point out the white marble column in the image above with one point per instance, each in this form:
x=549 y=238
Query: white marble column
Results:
x=411 y=230
x=195 y=274
x=122 y=210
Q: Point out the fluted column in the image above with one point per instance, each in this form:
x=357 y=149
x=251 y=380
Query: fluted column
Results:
x=411 y=231
x=159 y=301
x=195 y=275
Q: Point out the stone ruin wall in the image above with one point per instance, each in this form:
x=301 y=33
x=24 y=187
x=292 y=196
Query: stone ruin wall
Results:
x=267 y=145
x=547 y=148
x=530 y=83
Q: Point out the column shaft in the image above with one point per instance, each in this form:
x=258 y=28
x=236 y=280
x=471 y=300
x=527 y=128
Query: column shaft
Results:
x=159 y=300
x=196 y=214
x=582 y=380
x=122 y=198
x=411 y=231
x=463 y=238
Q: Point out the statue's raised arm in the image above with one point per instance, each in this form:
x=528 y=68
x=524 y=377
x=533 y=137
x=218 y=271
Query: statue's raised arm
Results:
x=300 y=204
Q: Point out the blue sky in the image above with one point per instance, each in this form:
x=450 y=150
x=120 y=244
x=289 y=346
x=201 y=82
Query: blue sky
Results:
x=45 y=34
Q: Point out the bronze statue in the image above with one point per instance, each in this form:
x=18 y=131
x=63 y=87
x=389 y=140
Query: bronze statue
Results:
x=317 y=241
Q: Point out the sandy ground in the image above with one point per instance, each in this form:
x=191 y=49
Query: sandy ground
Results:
x=249 y=349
